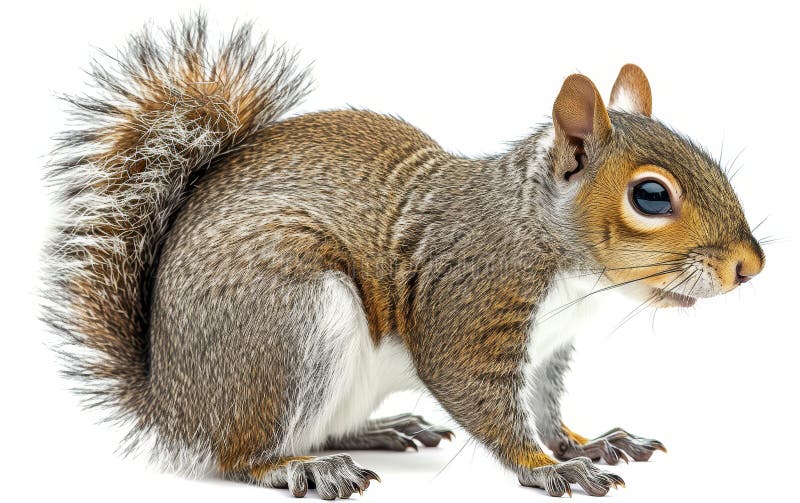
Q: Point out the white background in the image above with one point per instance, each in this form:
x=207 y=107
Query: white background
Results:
x=717 y=383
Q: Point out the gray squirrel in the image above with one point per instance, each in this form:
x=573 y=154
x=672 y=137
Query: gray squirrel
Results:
x=243 y=289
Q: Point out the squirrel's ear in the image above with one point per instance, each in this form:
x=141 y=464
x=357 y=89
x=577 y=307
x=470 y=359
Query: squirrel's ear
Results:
x=631 y=91
x=579 y=110
x=579 y=113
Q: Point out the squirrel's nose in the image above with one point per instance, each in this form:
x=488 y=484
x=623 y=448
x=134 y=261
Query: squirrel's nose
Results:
x=747 y=260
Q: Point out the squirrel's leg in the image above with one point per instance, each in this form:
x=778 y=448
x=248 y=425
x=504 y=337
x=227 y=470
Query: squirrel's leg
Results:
x=484 y=401
x=336 y=476
x=473 y=359
x=274 y=357
x=396 y=433
x=611 y=447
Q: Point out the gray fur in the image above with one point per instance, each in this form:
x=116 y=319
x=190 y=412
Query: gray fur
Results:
x=549 y=379
x=210 y=249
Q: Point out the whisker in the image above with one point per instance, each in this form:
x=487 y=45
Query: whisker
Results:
x=731 y=163
x=561 y=309
x=759 y=224
x=641 y=307
x=674 y=262
x=637 y=250
x=466 y=443
x=599 y=277
x=652 y=298
x=656 y=264
x=653 y=320
x=689 y=277
x=699 y=277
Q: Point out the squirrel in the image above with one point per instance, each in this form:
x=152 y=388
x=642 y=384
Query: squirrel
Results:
x=243 y=289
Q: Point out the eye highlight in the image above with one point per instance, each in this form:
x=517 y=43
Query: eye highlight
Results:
x=651 y=198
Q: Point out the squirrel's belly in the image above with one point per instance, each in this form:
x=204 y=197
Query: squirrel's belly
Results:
x=363 y=374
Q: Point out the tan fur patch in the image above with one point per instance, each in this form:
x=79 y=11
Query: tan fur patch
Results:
x=574 y=436
x=258 y=471
x=534 y=459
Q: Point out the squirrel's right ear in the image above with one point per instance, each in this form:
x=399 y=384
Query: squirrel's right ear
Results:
x=578 y=114
x=631 y=91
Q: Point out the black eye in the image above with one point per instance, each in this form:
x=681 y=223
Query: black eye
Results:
x=651 y=198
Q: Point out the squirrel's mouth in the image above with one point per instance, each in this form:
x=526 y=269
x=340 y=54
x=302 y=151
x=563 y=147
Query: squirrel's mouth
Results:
x=672 y=299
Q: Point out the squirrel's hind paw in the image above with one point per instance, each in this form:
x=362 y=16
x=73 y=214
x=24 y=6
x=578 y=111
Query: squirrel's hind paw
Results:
x=417 y=428
x=397 y=433
x=335 y=476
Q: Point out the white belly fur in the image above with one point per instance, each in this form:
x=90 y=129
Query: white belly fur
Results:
x=555 y=324
x=364 y=374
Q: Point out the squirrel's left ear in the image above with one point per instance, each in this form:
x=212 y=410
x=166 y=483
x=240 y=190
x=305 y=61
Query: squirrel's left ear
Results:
x=631 y=91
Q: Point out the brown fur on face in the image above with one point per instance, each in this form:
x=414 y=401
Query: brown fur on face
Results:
x=707 y=227
x=703 y=247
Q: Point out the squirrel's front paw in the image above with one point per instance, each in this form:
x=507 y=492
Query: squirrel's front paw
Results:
x=556 y=479
x=611 y=447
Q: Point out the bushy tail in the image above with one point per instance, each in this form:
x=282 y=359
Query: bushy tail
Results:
x=164 y=109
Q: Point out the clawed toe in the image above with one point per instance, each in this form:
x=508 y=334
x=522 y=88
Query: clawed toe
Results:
x=400 y=441
x=336 y=476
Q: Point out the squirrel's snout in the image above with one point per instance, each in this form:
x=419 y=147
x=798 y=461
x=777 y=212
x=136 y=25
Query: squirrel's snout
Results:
x=747 y=260
x=742 y=278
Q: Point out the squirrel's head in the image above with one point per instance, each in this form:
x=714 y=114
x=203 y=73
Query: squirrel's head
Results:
x=655 y=210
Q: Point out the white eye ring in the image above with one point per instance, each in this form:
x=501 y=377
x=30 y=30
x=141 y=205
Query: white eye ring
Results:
x=642 y=220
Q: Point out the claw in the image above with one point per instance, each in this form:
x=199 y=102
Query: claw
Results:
x=370 y=475
x=616 y=480
x=658 y=446
x=620 y=455
x=408 y=442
